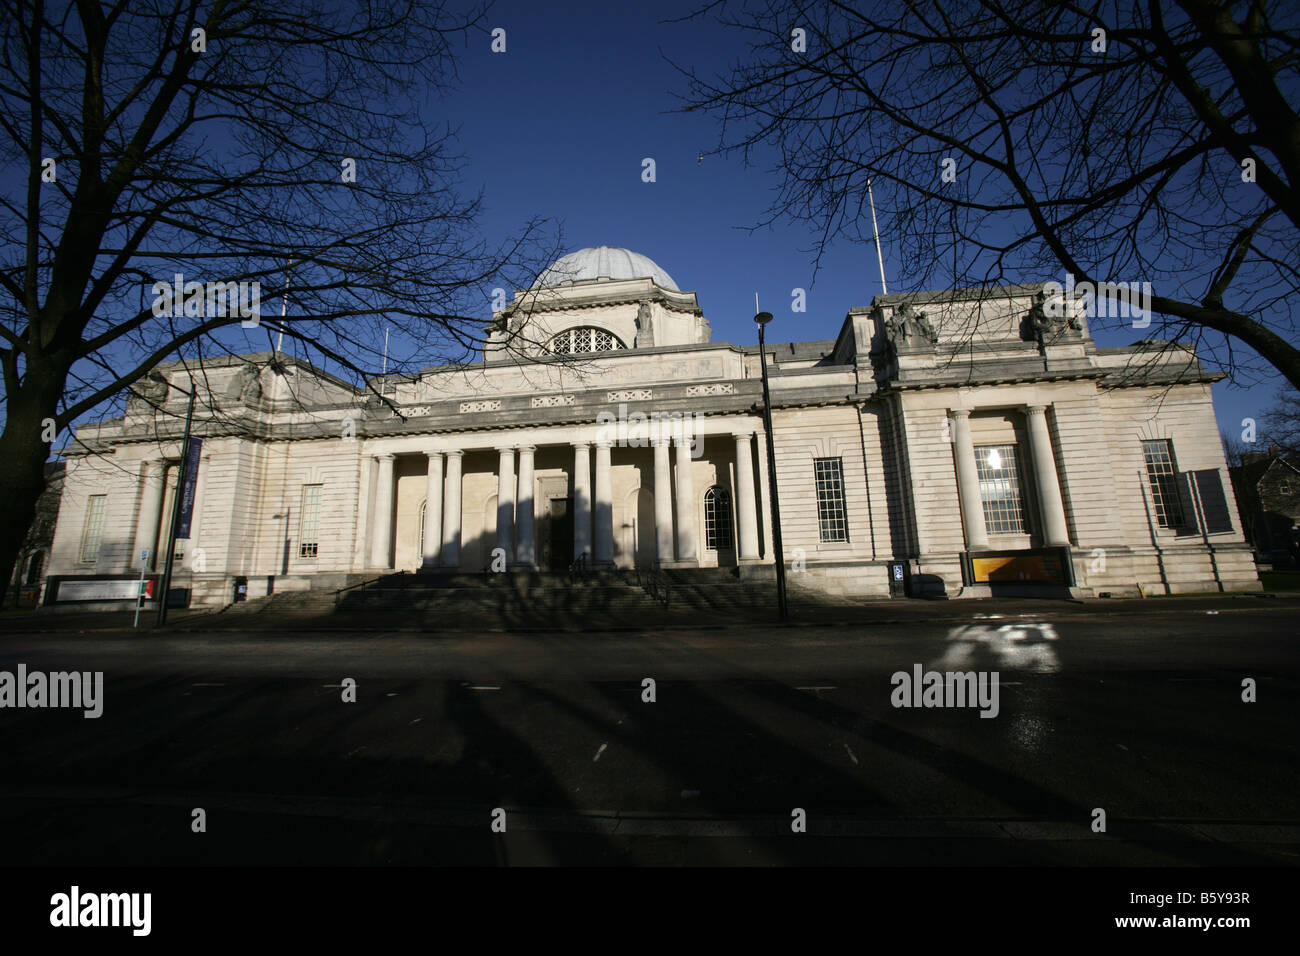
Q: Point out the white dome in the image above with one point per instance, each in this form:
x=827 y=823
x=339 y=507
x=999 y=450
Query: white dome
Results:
x=604 y=262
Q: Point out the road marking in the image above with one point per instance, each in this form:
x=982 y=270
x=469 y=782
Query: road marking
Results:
x=207 y=685
x=416 y=721
x=815 y=690
x=482 y=687
x=599 y=752
x=851 y=757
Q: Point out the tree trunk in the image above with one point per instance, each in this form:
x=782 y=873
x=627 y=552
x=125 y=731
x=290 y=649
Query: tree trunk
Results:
x=23 y=453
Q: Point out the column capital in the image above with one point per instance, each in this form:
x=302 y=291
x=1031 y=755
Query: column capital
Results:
x=1036 y=409
x=960 y=413
x=455 y=453
x=604 y=443
x=742 y=436
x=527 y=449
x=580 y=444
x=505 y=449
x=659 y=441
x=431 y=455
x=681 y=441
x=385 y=457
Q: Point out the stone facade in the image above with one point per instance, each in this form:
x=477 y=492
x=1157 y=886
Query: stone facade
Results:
x=956 y=435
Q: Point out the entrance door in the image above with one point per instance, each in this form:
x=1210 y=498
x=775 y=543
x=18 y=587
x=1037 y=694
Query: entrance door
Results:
x=557 y=534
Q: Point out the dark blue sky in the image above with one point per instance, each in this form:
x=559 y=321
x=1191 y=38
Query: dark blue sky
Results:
x=558 y=126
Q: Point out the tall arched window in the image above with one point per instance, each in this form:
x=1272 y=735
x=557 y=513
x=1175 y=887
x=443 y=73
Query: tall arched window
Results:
x=583 y=341
x=717 y=519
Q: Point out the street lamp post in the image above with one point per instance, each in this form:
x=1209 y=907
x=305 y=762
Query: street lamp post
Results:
x=176 y=503
x=762 y=319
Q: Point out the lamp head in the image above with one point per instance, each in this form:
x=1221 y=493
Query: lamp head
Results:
x=763 y=318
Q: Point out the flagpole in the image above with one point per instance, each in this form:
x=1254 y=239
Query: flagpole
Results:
x=284 y=304
x=880 y=258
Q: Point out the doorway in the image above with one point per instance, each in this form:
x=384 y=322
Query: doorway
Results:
x=557 y=534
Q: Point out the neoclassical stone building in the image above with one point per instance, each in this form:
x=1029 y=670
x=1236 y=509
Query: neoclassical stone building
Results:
x=963 y=441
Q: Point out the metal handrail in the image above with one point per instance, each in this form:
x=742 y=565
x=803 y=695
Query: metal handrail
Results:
x=655 y=583
x=362 y=585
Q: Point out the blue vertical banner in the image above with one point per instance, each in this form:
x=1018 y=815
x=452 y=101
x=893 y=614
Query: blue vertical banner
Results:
x=192 y=453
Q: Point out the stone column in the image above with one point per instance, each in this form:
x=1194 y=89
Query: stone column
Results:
x=765 y=497
x=451 y=511
x=1049 y=487
x=381 y=556
x=685 y=502
x=968 y=482
x=581 y=499
x=524 y=550
x=506 y=501
x=746 y=508
x=432 y=510
x=663 y=502
x=152 y=479
x=604 y=513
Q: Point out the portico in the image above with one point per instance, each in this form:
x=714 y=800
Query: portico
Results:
x=603 y=475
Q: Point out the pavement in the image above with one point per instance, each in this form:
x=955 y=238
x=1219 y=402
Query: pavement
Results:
x=883 y=612
x=1134 y=708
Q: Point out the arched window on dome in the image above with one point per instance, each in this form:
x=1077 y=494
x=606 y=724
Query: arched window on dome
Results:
x=583 y=341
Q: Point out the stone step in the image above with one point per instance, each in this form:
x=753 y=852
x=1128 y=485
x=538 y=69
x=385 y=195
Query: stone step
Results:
x=540 y=597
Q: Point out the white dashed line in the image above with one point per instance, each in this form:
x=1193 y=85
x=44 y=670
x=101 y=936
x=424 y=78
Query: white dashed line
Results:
x=851 y=756
x=599 y=752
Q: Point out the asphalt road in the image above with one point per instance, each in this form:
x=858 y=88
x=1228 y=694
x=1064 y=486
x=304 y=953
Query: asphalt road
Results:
x=1139 y=715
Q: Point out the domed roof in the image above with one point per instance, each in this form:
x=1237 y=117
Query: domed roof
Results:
x=604 y=262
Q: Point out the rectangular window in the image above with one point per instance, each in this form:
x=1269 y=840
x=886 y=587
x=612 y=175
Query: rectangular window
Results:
x=832 y=519
x=309 y=528
x=1162 y=474
x=1001 y=494
x=94 y=528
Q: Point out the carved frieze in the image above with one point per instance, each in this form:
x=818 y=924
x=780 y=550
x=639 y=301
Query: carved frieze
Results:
x=717 y=388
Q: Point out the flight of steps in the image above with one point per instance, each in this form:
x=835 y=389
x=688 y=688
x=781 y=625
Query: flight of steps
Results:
x=509 y=599
x=526 y=599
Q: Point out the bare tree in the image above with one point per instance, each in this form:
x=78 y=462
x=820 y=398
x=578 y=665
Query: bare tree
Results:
x=1234 y=449
x=1024 y=140
x=228 y=151
x=1280 y=426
